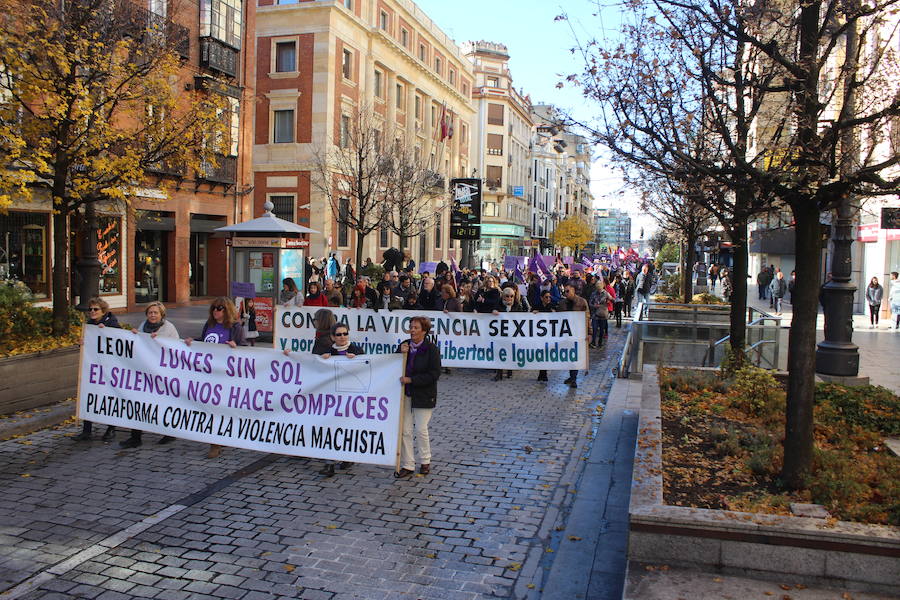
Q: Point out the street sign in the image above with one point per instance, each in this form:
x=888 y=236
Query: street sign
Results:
x=890 y=218
x=465 y=214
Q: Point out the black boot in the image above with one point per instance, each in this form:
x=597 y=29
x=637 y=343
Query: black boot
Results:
x=109 y=434
x=133 y=441
x=85 y=435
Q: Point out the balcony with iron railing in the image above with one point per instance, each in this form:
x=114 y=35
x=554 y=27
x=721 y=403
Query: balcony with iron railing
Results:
x=167 y=167
x=218 y=56
x=224 y=171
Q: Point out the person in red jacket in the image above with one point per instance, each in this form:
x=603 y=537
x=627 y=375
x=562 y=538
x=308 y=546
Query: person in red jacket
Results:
x=315 y=297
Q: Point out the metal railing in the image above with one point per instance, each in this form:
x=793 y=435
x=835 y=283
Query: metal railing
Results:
x=698 y=338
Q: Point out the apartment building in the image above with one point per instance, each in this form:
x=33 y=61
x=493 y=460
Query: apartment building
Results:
x=162 y=247
x=612 y=227
x=320 y=63
x=501 y=156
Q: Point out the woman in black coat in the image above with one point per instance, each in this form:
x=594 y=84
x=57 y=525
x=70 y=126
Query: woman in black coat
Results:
x=98 y=314
x=488 y=297
x=423 y=369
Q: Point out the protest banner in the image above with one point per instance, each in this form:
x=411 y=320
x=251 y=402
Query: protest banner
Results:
x=341 y=408
x=517 y=341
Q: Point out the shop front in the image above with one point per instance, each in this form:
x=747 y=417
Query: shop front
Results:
x=25 y=250
x=499 y=240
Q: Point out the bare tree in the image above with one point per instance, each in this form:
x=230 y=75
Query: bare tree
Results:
x=415 y=194
x=789 y=105
x=354 y=172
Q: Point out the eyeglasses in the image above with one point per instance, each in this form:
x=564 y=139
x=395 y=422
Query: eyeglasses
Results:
x=219 y=307
x=341 y=334
x=94 y=309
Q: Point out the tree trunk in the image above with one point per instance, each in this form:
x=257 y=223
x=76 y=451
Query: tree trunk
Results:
x=360 y=238
x=687 y=275
x=798 y=433
x=739 y=268
x=60 y=273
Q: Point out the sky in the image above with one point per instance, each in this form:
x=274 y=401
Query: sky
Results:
x=540 y=57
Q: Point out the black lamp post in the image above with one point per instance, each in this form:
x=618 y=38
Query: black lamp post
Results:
x=88 y=264
x=837 y=354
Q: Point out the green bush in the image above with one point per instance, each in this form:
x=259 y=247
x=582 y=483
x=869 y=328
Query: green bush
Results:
x=871 y=407
x=23 y=326
x=757 y=391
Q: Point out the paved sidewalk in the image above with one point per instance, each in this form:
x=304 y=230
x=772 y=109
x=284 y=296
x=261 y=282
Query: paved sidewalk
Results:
x=93 y=521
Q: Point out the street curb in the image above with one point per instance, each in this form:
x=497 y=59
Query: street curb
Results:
x=26 y=422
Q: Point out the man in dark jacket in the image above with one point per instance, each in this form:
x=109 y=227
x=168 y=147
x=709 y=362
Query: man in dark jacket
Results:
x=573 y=301
x=544 y=304
x=778 y=287
x=428 y=296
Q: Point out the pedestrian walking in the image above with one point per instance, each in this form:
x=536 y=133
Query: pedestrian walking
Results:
x=423 y=369
x=629 y=291
x=156 y=325
x=98 y=314
x=599 y=306
x=778 y=288
x=574 y=302
x=222 y=327
x=874 y=295
x=643 y=285
x=727 y=285
x=763 y=279
x=894 y=299
x=619 y=300
x=340 y=346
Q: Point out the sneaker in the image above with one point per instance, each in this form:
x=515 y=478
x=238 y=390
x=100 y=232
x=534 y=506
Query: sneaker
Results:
x=592 y=345
x=425 y=468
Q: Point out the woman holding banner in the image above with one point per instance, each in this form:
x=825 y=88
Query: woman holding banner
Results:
x=222 y=327
x=509 y=303
x=423 y=369
x=156 y=325
x=98 y=314
x=340 y=346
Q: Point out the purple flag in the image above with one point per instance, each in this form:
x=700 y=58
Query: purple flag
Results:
x=537 y=267
x=518 y=275
x=456 y=272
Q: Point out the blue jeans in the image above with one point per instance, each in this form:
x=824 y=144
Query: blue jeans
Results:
x=778 y=302
x=599 y=328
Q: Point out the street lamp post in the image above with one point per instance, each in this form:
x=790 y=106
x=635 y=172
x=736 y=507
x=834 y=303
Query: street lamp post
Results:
x=88 y=264
x=837 y=355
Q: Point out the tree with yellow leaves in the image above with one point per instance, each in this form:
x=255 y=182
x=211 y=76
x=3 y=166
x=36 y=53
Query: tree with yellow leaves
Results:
x=572 y=232
x=91 y=98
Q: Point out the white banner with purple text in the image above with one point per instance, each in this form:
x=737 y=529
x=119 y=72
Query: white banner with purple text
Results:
x=339 y=408
x=512 y=340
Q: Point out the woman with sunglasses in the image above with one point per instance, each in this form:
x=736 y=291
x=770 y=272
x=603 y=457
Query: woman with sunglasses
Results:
x=98 y=314
x=222 y=327
x=340 y=346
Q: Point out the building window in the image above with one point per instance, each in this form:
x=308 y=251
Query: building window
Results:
x=495 y=114
x=422 y=52
x=452 y=77
x=285 y=57
x=284 y=207
x=465 y=89
x=347 y=64
x=418 y=106
x=221 y=19
x=401 y=96
x=404 y=37
x=437 y=65
x=495 y=144
x=437 y=231
x=383 y=237
x=494 y=177
x=493 y=82
x=25 y=237
x=345 y=131
x=343 y=216
x=348 y=4
x=109 y=253
x=379 y=84
x=284 y=127
x=384 y=21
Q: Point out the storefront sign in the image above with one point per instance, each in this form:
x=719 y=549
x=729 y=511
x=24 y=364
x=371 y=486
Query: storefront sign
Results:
x=291 y=264
x=502 y=229
x=295 y=243
x=254 y=398
x=238 y=242
x=869 y=233
x=465 y=214
x=518 y=191
x=482 y=341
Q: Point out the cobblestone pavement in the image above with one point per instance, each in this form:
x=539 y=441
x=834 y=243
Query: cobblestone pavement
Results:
x=92 y=521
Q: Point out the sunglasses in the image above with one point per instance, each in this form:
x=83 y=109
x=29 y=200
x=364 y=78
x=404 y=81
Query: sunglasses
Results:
x=219 y=307
x=94 y=309
x=344 y=334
